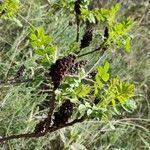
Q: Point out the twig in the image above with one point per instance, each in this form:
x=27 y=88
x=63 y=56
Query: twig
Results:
x=15 y=81
x=26 y=20
x=37 y=135
x=100 y=58
x=101 y=47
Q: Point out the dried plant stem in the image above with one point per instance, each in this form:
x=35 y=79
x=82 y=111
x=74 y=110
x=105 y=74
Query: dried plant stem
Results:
x=101 y=47
x=15 y=81
x=37 y=135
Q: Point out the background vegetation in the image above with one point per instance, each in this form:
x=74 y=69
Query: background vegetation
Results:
x=18 y=104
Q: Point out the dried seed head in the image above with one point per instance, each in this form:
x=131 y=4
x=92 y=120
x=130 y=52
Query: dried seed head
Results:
x=106 y=33
x=65 y=112
x=87 y=38
x=60 y=69
x=77 y=66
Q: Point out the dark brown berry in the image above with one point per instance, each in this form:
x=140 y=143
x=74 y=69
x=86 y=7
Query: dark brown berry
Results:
x=60 y=69
x=106 y=33
x=65 y=112
x=77 y=66
x=87 y=38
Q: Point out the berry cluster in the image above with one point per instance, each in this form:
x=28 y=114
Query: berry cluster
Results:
x=77 y=66
x=65 y=112
x=60 y=69
x=106 y=33
x=87 y=38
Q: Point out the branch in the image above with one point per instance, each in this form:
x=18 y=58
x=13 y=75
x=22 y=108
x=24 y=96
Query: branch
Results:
x=102 y=47
x=27 y=135
x=37 y=135
x=15 y=81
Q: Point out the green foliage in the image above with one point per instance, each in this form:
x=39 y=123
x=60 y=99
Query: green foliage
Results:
x=101 y=14
x=119 y=34
x=118 y=31
x=112 y=93
x=92 y=111
x=112 y=90
x=74 y=47
x=9 y=10
x=67 y=4
x=82 y=90
x=43 y=46
x=113 y=14
x=24 y=100
x=73 y=88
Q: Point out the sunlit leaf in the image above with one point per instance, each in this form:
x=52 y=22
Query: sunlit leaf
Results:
x=105 y=77
x=82 y=90
x=106 y=66
x=100 y=84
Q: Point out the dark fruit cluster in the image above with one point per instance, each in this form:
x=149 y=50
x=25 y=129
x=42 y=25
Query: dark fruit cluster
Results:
x=77 y=7
x=106 y=33
x=60 y=69
x=87 y=38
x=65 y=112
x=77 y=66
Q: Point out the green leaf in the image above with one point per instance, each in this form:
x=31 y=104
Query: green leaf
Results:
x=46 y=61
x=112 y=15
x=127 y=45
x=113 y=102
x=33 y=37
x=106 y=66
x=130 y=105
x=95 y=89
x=100 y=71
x=39 y=52
x=18 y=22
x=39 y=38
x=82 y=108
x=50 y=50
x=98 y=81
x=74 y=47
x=87 y=105
x=89 y=112
x=105 y=77
x=82 y=90
x=81 y=74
